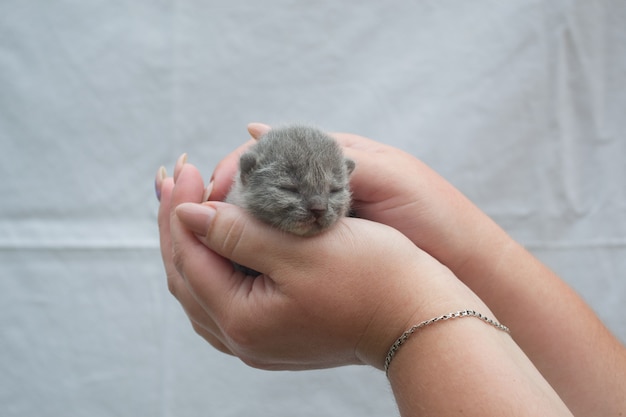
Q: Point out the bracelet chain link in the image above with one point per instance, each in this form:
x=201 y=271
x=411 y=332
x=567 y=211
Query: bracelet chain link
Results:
x=458 y=314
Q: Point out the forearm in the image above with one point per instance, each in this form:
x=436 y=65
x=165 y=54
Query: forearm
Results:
x=463 y=366
x=550 y=322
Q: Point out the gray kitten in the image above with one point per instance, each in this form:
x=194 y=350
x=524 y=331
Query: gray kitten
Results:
x=296 y=179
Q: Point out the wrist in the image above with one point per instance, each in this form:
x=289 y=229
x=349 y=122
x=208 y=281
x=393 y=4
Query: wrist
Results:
x=441 y=294
x=467 y=313
x=463 y=364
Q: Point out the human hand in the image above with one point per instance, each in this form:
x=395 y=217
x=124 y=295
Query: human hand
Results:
x=394 y=188
x=341 y=297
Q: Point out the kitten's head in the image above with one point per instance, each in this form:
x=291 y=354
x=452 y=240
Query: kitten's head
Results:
x=296 y=179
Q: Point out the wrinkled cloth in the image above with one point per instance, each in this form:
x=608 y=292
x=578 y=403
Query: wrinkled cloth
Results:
x=520 y=104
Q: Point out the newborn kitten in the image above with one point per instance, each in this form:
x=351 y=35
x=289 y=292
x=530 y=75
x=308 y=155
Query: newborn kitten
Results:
x=295 y=179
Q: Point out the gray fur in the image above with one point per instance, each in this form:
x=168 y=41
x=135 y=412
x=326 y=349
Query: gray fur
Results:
x=295 y=178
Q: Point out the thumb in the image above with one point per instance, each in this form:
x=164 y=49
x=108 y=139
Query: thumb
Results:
x=232 y=233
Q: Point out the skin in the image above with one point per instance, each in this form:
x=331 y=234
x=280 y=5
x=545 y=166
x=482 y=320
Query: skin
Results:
x=440 y=254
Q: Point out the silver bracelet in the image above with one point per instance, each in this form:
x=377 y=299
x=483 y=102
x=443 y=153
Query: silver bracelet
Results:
x=459 y=314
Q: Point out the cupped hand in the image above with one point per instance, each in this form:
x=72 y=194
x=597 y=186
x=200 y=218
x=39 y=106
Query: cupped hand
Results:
x=341 y=297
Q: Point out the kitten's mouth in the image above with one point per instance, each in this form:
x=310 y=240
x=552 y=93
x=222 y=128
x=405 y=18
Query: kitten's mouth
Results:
x=309 y=228
x=309 y=231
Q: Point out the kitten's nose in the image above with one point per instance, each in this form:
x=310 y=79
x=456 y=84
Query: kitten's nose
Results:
x=317 y=208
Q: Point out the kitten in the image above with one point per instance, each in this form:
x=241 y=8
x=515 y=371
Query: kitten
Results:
x=294 y=178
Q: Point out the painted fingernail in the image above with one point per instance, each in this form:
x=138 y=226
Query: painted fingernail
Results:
x=196 y=217
x=158 y=181
x=182 y=160
x=207 y=192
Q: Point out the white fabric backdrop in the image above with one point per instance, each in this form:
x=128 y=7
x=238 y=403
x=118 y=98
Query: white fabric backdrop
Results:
x=518 y=103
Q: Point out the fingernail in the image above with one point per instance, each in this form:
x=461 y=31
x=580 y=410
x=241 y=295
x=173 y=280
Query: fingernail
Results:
x=182 y=160
x=207 y=192
x=196 y=217
x=158 y=181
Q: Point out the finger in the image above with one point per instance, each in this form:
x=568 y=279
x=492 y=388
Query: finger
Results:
x=387 y=163
x=210 y=278
x=189 y=188
x=175 y=281
x=215 y=341
x=231 y=232
x=367 y=160
x=257 y=130
x=202 y=323
x=180 y=162
x=349 y=140
x=165 y=190
x=177 y=240
x=158 y=181
x=172 y=275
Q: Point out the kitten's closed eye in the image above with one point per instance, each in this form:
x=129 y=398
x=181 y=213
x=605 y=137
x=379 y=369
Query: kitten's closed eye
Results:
x=290 y=188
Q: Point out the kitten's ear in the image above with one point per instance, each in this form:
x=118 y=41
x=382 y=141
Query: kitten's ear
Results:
x=350 y=164
x=247 y=162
